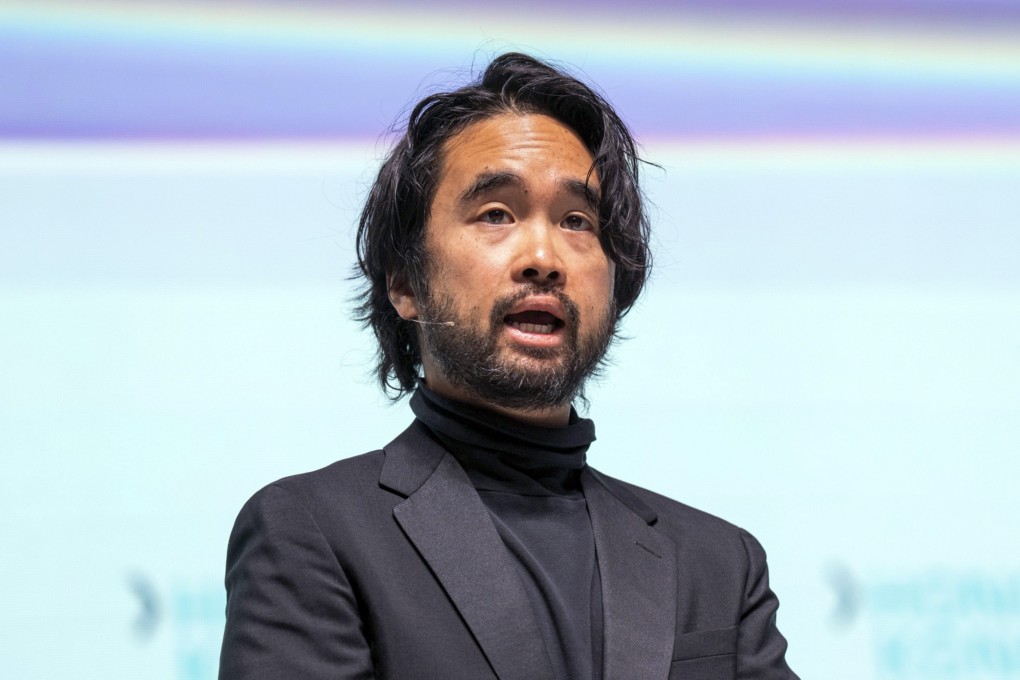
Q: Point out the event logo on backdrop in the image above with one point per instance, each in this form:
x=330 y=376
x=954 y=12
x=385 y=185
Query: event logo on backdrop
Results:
x=926 y=624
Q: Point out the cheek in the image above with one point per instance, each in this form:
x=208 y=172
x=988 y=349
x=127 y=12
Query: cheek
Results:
x=476 y=271
x=598 y=288
x=467 y=280
x=604 y=272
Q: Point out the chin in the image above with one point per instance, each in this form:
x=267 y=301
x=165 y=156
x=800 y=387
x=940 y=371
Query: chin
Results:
x=546 y=355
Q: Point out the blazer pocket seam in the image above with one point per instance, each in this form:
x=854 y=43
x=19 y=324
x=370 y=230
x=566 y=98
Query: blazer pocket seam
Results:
x=699 y=658
x=706 y=644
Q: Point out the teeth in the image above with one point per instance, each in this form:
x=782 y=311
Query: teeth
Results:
x=541 y=328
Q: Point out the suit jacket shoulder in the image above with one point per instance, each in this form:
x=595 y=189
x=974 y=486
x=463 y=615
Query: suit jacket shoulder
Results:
x=715 y=541
x=723 y=596
x=383 y=565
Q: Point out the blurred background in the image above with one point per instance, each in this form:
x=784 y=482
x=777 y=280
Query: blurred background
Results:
x=828 y=353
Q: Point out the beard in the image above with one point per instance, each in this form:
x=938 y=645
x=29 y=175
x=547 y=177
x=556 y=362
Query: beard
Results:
x=516 y=377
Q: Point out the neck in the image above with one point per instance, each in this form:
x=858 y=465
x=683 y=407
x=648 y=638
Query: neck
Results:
x=554 y=416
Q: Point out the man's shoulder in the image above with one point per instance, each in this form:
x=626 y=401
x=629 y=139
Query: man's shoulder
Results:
x=369 y=483
x=354 y=471
x=412 y=449
x=666 y=508
x=686 y=525
x=346 y=486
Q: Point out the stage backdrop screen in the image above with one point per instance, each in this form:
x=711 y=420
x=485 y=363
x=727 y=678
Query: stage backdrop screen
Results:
x=827 y=354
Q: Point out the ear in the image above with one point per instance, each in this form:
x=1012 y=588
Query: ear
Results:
x=402 y=297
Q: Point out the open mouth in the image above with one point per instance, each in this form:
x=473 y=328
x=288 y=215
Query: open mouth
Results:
x=534 y=321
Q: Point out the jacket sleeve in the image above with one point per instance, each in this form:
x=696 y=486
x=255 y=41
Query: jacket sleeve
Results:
x=291 y=612
x=761 y=648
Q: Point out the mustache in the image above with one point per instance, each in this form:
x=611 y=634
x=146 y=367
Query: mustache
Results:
x=501 y=306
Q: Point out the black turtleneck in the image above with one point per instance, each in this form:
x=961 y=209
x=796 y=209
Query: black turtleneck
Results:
x=528 y=477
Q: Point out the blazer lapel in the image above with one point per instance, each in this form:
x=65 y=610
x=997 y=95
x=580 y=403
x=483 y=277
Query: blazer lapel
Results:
x=637 y=566
x=448 y=524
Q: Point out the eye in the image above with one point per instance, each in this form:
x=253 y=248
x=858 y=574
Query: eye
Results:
x=496 y=216
x=577 y=223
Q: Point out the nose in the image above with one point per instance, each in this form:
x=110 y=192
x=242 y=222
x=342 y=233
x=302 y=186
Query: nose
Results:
x=540 y=262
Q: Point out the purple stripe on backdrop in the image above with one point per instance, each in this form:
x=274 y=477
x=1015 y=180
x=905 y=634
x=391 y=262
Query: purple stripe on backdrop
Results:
x=67 y=89
x=973 y=10
x=96 y=90
x=700 y=104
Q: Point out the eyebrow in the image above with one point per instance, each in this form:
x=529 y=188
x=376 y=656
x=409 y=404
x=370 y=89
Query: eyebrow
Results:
x=582 y=190
x=488 y=181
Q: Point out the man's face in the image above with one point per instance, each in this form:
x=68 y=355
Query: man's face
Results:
x=517 y=266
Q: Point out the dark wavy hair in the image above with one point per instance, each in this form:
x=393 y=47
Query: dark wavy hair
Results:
x=391 y=230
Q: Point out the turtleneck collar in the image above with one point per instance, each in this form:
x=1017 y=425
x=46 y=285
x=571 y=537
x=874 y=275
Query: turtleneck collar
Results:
x=502 y=454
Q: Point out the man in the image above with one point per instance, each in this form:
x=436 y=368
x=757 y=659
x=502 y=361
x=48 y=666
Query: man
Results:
x=501 y=243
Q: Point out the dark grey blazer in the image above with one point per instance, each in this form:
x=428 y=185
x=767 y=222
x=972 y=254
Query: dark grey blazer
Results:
x=387 y=565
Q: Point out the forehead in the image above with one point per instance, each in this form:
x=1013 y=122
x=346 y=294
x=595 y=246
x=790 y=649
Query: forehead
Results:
x=536 y=146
